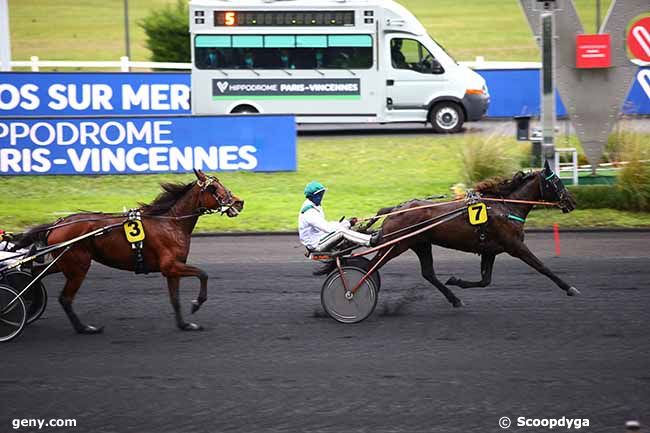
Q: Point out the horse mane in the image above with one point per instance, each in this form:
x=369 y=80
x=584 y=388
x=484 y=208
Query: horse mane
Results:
x=500 y=186
x=172 y=192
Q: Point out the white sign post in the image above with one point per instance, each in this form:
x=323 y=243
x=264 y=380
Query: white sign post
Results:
x=5 y=41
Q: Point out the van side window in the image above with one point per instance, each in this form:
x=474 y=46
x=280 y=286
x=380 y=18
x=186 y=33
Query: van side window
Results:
x=338 y=51
x=412 y=55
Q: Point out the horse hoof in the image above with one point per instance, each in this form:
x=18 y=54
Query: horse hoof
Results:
x=191 y=327
x=90 y=330
x=195 y=306
x=452 y=281
x=458 y=303
x=572 y=291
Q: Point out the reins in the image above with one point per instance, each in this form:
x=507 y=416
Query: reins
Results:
x=500 y=200
x=436 y=221
x=411 y=209
x=200 y=211
x=512 y=200
x=110 y=216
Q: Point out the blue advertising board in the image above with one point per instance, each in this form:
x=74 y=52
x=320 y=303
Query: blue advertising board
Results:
x=513 y=92
x=93 y=93
x=516 y=91
x=122 y=145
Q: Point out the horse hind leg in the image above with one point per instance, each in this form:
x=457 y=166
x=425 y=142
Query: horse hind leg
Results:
x=425 y=255
x=75 y=269
x=487 y=265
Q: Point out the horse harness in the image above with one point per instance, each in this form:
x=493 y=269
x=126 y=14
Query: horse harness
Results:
x=478 y=213
x=134 y=229
x=473 y=199
x=135 y=235
x=206 y=186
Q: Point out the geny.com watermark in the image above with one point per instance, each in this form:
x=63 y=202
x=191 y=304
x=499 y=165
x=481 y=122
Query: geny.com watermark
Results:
x=548 y=423
x=40 y=423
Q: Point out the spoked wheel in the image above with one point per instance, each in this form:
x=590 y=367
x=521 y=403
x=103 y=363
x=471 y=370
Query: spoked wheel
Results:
x=343 y=305
x=12 y=318
x=363 y=263
x=35 y=298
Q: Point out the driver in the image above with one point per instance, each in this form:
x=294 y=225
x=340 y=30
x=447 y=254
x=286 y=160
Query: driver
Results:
x=316 y=233
x=397 y=57
x=6 y=247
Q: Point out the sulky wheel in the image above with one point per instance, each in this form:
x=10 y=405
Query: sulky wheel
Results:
x=35 y=298
x=363 y=263
x=13 y=314
x=343 y=306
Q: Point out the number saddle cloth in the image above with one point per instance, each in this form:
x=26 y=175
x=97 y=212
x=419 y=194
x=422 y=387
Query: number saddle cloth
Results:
x=135 y=235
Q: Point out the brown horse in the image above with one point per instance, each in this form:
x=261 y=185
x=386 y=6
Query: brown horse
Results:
x=168 y=223
x=503 y=232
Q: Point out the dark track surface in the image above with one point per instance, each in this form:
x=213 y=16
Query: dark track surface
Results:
x=269 y=361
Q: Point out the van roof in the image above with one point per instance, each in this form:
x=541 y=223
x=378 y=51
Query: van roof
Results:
x=399 y=17
x=283 y=4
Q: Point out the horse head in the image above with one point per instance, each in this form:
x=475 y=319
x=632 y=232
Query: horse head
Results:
x=215 y=196
x=552 y=189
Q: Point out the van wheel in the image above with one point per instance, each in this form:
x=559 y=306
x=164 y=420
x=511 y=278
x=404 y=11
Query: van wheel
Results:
x=447 y=117
x=244 y=109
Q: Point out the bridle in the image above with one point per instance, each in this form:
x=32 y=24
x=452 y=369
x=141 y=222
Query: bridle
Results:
x=223 y=204
x=552 y=183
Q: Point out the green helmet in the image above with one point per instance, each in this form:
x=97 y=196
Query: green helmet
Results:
x=314 y=187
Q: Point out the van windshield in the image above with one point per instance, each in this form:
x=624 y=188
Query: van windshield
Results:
x=442 y=47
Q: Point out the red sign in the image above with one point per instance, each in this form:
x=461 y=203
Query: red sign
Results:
x=638 y=39
x=593 y=51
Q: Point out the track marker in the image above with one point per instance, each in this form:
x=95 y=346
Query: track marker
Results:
x=556 y=237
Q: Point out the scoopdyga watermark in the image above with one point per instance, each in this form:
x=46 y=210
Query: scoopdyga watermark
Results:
x=547 y=423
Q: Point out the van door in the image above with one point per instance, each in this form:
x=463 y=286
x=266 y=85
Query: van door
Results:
x=414 y=79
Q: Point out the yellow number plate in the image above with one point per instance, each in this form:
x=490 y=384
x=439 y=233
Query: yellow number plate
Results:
x=477 y=213
x=134 y=231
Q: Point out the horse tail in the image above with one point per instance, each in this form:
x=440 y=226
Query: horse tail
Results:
x=385 y=210
x=32 y=236
x=380 y=212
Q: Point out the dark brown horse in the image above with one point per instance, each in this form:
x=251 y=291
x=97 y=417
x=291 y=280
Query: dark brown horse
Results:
x=503 y=232
x=168 y=223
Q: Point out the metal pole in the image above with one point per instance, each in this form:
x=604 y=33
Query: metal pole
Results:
x=597 y=16
x=548 y=83
x=5 y=40
x=126 y=29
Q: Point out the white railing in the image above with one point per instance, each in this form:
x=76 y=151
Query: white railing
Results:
x=567 y=166
x=125 y=65
x=481 y=63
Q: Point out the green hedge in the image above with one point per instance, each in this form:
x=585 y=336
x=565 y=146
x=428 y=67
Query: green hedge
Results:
x=167 y=31
x=607 y=196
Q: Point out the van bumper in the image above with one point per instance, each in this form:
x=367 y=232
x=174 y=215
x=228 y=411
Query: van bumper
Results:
x=476 y=106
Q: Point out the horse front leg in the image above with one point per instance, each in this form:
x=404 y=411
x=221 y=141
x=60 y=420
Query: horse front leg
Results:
x=487 y=265
x=180 y=270
x=173 y=284
x=192 y=271
x=174 y=272
x=521 y=251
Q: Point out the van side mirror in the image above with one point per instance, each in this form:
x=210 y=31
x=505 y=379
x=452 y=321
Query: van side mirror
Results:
x=436 y=67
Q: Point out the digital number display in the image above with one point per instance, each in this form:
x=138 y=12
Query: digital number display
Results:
x=283 y=19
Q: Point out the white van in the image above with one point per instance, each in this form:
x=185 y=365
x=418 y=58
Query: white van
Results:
x=327 y=61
